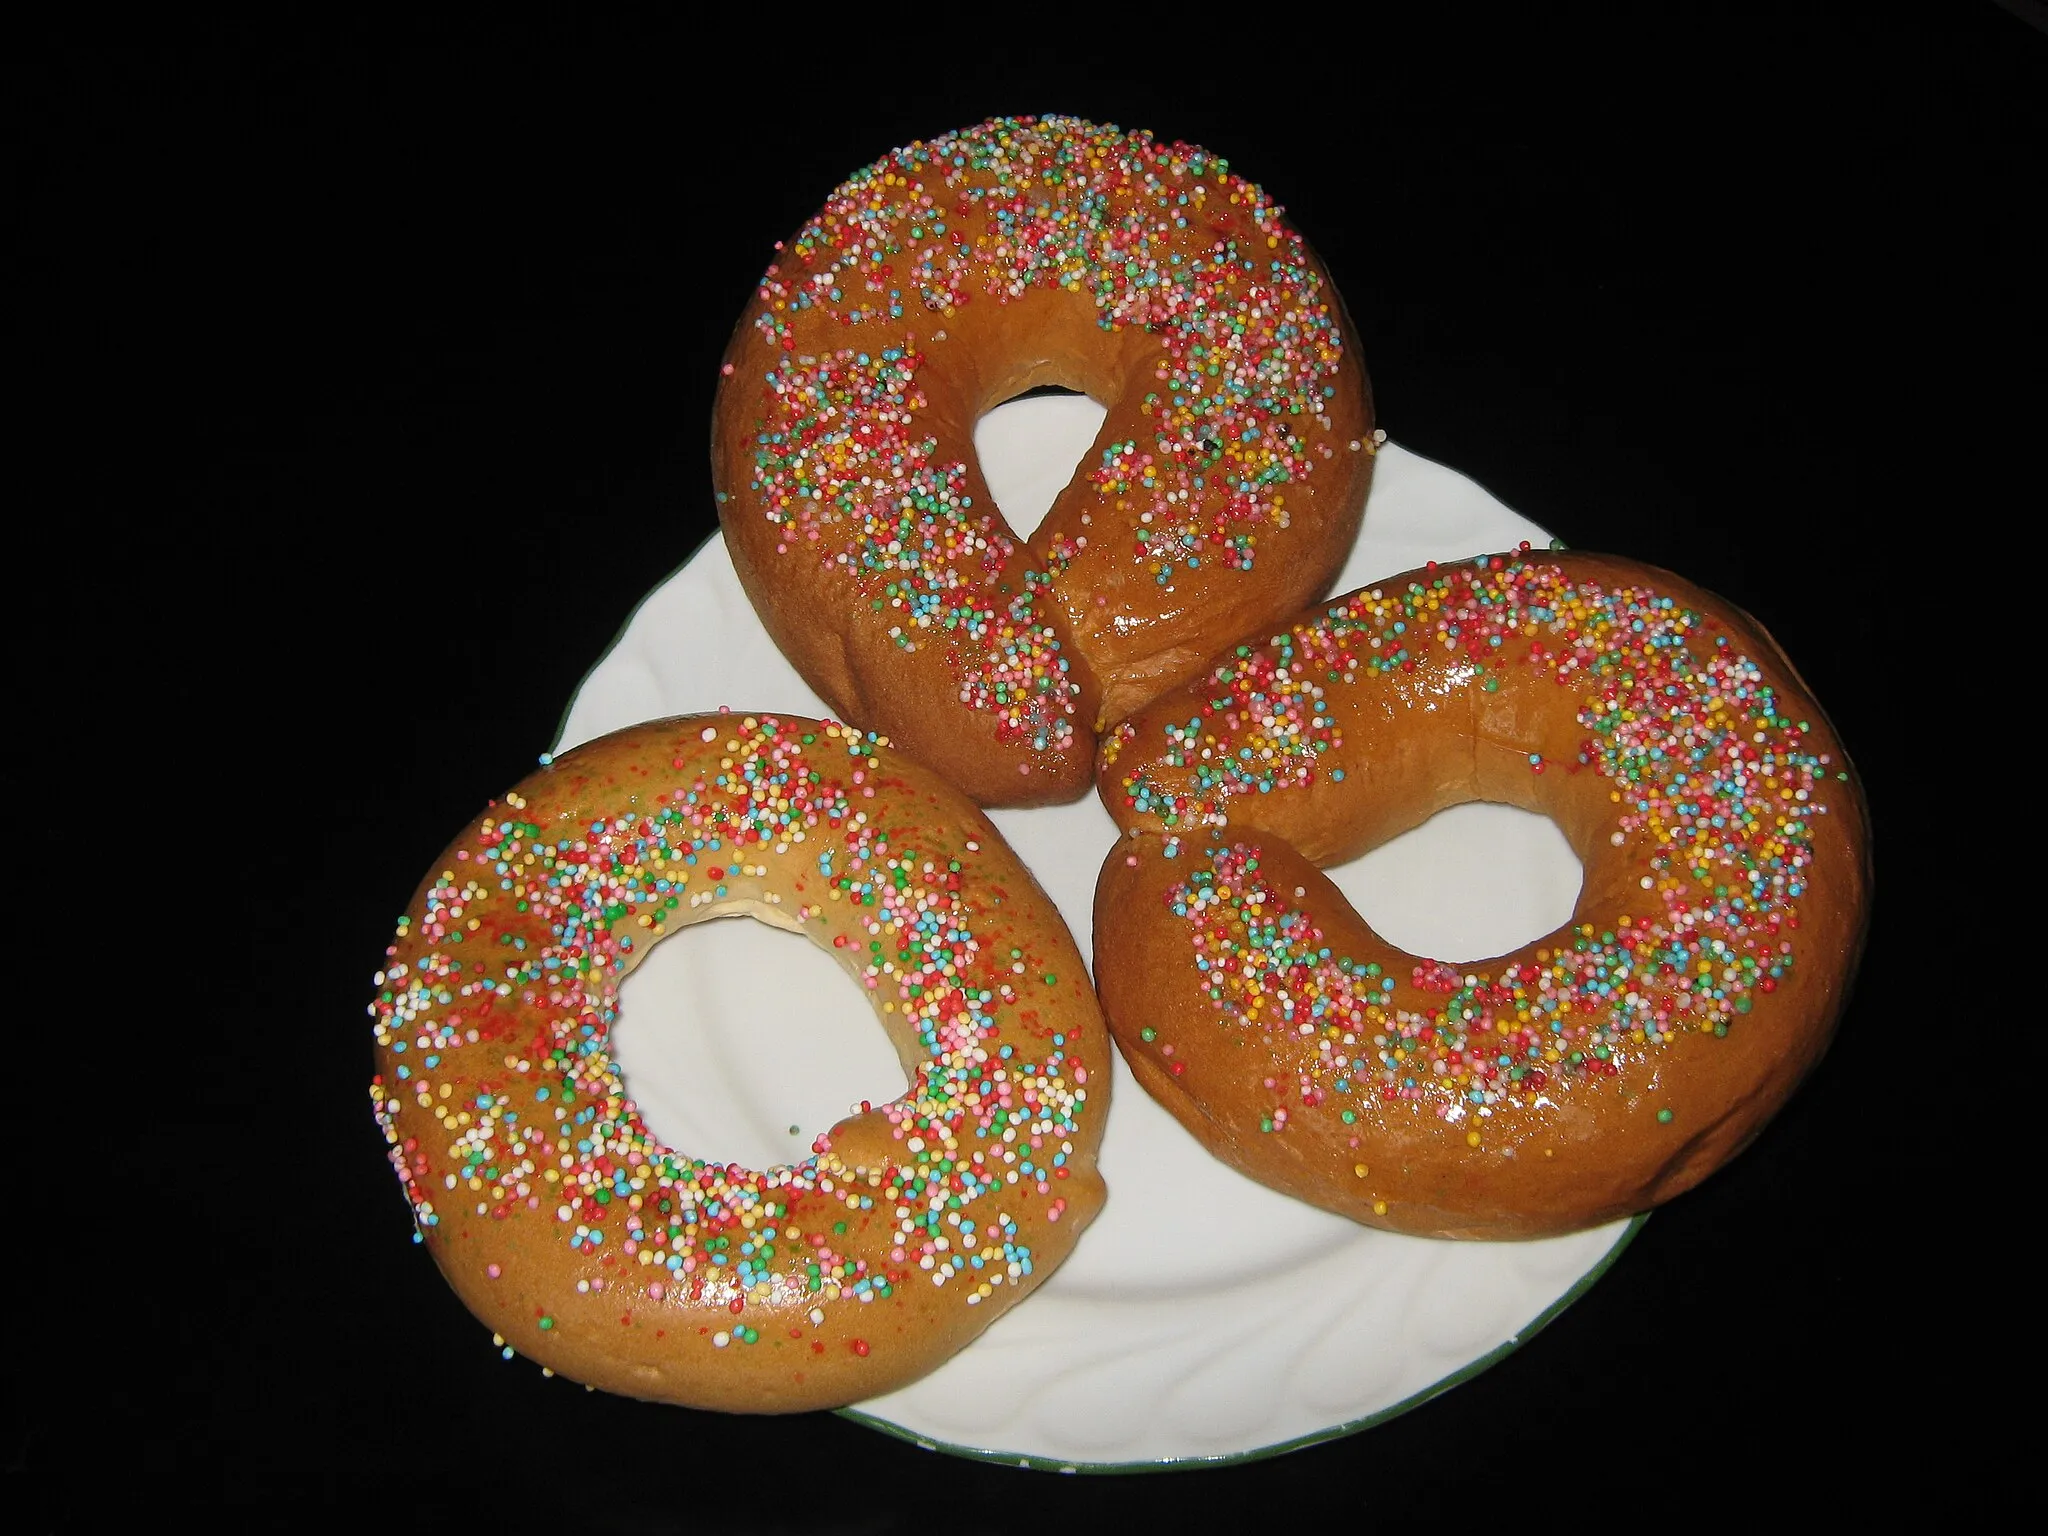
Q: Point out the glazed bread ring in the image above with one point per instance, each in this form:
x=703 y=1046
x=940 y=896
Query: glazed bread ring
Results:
x=1587 y=1076
x=631 y=1266
x=1223 y=491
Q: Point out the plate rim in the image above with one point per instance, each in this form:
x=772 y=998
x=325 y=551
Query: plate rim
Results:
x=1341 y=1430
x=856 y=1413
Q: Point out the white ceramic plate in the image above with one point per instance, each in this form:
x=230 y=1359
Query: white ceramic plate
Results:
x=1202 y=1317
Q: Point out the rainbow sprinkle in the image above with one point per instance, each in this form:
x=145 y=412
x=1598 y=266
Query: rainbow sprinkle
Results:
x=1709 y=773
x=500 y=1100
x=1154 y=235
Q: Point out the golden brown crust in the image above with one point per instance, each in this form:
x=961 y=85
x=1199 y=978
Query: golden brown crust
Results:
x=628 y=1265
x=1225 y=486
x=1590 y=1075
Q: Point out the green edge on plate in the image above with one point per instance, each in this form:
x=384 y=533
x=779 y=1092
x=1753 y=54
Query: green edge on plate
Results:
x=1280 y=1448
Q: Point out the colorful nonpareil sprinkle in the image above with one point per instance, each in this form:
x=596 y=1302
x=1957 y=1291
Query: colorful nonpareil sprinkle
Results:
x=1708 y=772
x=502 y=1100
x=1160 y=237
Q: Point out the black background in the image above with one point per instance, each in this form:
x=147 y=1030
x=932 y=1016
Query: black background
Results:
x=375 y=363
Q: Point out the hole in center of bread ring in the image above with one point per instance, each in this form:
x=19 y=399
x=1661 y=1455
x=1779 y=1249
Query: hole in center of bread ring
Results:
x=1029 y=448
x=743 y=1043
x=1417 y=891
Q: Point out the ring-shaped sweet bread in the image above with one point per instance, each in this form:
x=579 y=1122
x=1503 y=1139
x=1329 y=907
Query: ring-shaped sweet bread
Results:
x=1589 y=1075
x=1223 y=490
x=623 y=1263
